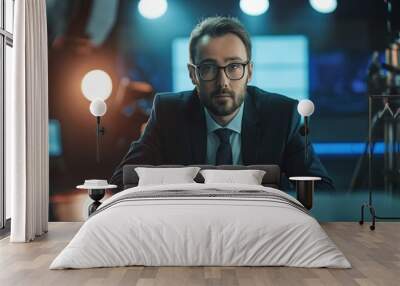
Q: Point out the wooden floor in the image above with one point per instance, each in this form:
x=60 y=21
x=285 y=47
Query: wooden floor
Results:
x=374 y=255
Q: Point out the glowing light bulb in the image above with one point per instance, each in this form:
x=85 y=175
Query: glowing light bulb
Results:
x=96 y=84
x=98 y=107
x=305 y=107
x=152 y=9
x=324 y=6
x=254 y=7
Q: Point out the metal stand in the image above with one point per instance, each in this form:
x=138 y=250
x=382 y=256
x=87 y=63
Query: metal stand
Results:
x=306 y=124
x=389 y=160
x=99 y=131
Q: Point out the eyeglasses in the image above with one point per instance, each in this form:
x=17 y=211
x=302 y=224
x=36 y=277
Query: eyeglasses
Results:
x=209 y=71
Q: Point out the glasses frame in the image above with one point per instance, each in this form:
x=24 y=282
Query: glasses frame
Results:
x=197 y=68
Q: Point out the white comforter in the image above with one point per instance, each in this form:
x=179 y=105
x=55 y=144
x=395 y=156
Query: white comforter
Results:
x=200 y=231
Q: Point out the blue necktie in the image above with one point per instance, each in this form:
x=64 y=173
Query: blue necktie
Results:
x=224 y=151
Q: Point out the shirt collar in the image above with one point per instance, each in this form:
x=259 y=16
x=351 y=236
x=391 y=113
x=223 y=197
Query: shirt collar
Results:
x=235 y=124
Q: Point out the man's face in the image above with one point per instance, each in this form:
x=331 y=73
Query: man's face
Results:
x=222 y=96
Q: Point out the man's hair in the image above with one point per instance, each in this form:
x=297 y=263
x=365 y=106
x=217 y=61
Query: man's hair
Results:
x=217 y=27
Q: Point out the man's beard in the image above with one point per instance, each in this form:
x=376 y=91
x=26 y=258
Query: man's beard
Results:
x=222 y=102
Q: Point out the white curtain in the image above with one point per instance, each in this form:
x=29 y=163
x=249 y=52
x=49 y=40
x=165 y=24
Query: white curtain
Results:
x=27 y=156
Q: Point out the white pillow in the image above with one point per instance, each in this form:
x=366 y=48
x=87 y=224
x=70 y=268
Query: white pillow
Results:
x=163 y=176
x=248 y=177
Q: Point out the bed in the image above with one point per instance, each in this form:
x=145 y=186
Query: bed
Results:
x=201 y=224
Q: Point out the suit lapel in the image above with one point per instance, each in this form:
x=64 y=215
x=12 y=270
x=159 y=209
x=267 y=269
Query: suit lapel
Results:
x=250 y=131
x=197 y=130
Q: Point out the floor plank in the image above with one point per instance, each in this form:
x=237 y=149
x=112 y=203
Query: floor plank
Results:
x=375 y=257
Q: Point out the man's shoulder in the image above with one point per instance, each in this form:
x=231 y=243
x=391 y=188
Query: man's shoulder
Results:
x=175 y=104
x=174 y=97
x=264 y=99
x=272 y=109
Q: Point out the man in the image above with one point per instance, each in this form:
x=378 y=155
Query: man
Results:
x=223 y=120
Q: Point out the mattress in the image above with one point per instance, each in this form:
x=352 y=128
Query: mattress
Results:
x=201 y=225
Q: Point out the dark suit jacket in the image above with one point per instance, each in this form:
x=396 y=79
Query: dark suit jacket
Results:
x=176 y=134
